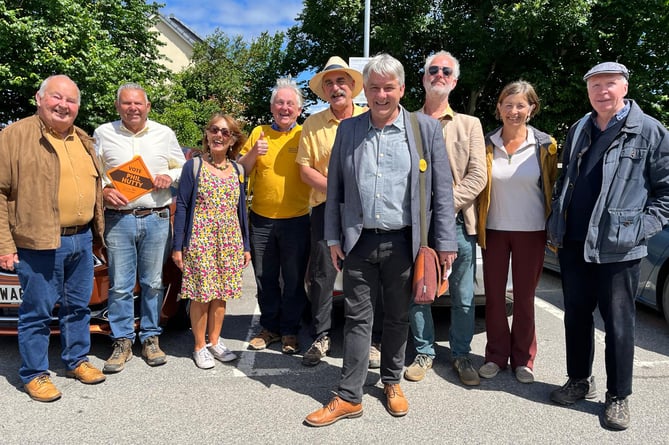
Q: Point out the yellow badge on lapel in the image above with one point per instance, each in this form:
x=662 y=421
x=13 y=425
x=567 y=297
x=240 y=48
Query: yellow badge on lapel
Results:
x=552 y=149
x=422 y=165
x=241 y=177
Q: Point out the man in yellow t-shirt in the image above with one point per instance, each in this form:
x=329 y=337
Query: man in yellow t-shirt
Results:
x=337 y=84
x=279 y=219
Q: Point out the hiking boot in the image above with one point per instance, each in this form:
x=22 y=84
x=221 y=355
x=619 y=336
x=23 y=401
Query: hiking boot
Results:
x=152 y=353
x=318 y=350
x=42 y=389
x=416 y=371
x=263 y=339
x=466 y=372
x=617 y=412
x=122 y=352
x=524 y=374
x=289 y=344
x=375 y=356
x=203 y=359
x=221 y=352
x=575 y=390
x=489 y=370
x=86 y=373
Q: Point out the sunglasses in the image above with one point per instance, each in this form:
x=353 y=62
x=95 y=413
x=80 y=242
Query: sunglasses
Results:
x=224 y=131
x=434 y=69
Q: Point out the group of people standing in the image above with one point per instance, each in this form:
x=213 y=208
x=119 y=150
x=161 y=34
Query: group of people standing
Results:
x=340 y=194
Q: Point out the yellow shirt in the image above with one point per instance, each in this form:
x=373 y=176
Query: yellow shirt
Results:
x=318 y=135
x=76 y=188
x=275 y=183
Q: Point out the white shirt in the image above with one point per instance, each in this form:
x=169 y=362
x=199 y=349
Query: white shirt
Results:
x=516 y=199
x=156 y=144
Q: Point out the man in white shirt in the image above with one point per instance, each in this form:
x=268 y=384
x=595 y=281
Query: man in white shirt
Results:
x=137 y=230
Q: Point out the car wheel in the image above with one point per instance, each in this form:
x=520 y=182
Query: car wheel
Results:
x=665 y=299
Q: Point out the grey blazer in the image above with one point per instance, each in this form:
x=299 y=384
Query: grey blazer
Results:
x=343 y=208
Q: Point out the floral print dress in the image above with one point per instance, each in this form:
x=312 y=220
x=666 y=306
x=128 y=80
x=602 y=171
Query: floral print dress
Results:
x=213 y=260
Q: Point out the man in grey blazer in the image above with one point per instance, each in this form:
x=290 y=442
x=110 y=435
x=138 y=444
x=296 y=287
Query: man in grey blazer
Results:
x=373 y=230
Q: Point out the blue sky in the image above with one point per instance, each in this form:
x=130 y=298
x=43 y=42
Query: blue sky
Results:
x=248 y=18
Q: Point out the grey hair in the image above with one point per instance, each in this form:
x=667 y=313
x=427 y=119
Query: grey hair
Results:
x=384 y=64
x=131 y=86
x=287 y=82
x=456 y=64
x=45 y=83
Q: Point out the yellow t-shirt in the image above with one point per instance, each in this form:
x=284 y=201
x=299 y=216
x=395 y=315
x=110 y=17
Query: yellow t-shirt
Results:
x=318 y=135
x=276 y=186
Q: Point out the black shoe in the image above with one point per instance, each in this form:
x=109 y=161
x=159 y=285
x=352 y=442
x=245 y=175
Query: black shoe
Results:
x=575 y=390
x=617 y=412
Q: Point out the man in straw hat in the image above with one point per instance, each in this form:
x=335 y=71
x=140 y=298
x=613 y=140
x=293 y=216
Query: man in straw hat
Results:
x=337 y=84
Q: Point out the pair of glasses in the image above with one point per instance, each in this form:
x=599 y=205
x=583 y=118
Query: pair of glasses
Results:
x=224 y=131
x=434 y=69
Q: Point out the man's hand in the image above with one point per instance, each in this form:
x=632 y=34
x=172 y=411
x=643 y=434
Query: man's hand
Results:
x=446 y=259
x=7 y=261
x=113 y=198
x=162 y=181
x=337 y=256
x=261 y=146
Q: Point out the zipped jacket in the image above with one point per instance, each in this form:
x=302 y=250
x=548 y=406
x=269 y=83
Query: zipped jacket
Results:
x=633 y=203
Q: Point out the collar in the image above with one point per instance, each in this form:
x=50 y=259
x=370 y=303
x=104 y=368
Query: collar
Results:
x=397 y=123
x=620 y=115
x=142 y=131
x=448 y=113
x=275 y=127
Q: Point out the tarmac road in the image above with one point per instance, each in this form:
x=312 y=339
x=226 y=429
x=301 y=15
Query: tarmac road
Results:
x=264 y=396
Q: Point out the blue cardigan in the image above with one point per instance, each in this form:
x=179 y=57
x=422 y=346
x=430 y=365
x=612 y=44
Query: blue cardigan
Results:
x=186 y=194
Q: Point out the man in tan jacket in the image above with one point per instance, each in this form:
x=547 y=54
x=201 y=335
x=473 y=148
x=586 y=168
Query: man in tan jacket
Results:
x=466 y=152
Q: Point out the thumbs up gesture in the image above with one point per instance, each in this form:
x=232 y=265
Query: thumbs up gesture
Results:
x=260 y=147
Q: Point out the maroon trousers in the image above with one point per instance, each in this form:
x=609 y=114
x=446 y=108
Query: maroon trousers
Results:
x=517 y=343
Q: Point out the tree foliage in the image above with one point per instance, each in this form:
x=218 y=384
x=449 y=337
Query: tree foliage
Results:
x=550 y=43
x=100 y=44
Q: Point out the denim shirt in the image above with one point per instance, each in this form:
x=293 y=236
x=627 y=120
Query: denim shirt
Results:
x=633 y=203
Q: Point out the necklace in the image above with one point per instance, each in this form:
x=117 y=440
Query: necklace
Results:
x=219 y=167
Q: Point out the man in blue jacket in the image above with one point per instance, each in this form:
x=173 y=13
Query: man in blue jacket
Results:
x=612 y=196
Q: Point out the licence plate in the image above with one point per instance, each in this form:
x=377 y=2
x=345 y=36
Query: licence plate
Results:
x=10 y=291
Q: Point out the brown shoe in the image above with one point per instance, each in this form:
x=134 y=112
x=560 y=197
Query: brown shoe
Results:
x=122 y=352
x=396 y=403
x=87 y=373
x=336 y=409
x=152 y=353
x=42 y=389
x=263 y=339
x=289 y=344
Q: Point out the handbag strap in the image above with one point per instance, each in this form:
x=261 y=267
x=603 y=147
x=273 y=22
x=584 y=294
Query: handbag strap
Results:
x=422 y=168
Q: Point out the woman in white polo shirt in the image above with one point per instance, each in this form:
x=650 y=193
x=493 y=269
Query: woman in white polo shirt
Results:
x=513 y=208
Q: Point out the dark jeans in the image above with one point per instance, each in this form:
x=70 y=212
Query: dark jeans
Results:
x=280 y=250
x=322 y=274
x=611 y=287
x=379 y=266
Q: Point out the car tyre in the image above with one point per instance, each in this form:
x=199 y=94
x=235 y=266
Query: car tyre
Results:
x=665 y=298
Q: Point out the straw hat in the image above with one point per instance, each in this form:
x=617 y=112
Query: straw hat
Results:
x=335 y=64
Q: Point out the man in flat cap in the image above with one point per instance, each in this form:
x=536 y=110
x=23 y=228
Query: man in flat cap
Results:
x=337 y=85
x=610 y=199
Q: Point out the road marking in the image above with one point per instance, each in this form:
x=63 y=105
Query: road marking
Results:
x=246 y=364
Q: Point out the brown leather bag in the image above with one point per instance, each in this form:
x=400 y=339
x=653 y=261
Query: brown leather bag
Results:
x=429 y=281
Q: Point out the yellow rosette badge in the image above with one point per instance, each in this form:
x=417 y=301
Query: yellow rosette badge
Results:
x=422 y=165
x=241 y=177
x=552 y=149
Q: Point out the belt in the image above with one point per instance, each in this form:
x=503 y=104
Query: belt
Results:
x=139 y=212
x=73 y=230
x=386 y=232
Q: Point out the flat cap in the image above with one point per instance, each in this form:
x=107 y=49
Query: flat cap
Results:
x=607 y=68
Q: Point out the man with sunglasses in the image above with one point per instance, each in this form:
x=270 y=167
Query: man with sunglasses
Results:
x=465 y=147
x=137 y=231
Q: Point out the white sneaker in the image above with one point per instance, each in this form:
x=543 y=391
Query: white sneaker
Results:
x=489 y=370
x=524 y=374
x=204 y=359
x=221 y=352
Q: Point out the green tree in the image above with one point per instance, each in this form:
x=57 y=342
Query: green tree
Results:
x=550 y=43
x=100 y=44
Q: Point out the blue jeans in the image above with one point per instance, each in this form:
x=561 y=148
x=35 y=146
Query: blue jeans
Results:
x=136 y=249
x=280 y=250
x=461 y=289
x=64 y=276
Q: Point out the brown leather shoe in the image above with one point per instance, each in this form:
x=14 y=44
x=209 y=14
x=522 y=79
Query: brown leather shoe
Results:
x=87 y=373
x=42 y=389
x=396 y=403
x=336 y=409
x=289 y=344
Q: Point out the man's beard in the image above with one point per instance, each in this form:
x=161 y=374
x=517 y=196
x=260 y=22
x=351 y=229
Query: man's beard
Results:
x=438 y=90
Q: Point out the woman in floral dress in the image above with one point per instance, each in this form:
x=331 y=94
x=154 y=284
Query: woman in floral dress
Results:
x=211 y=243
